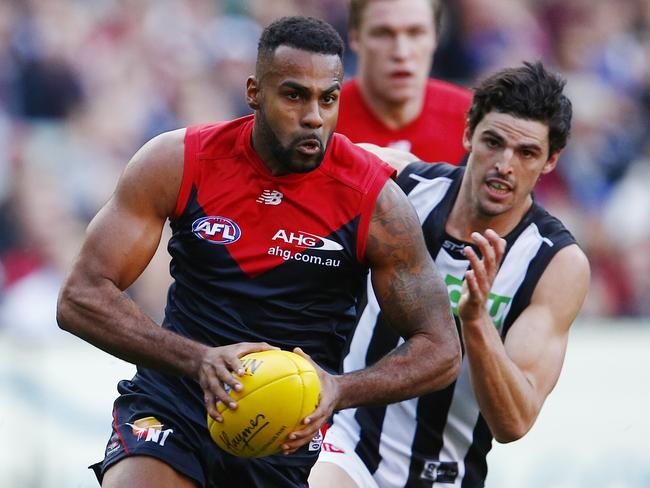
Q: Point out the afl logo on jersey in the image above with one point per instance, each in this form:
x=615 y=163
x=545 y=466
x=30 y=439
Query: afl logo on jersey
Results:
x=216 y=230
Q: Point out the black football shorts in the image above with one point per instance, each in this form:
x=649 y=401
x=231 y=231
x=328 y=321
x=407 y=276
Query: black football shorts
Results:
x=146 y=425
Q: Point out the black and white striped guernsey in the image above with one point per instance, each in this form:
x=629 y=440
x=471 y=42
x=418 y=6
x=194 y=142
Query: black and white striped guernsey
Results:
x=441 y=439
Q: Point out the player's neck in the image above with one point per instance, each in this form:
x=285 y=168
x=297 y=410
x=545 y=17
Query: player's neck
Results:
x=392 y=114
x=466 y=217
x=261 y=147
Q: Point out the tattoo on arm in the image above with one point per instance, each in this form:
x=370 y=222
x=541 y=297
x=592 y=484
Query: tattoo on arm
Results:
x=405 y=279
x=414 y=304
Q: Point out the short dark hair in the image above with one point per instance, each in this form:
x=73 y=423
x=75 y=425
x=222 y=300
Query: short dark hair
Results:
x=357 y=8
x=529 y=92
x=306 y=33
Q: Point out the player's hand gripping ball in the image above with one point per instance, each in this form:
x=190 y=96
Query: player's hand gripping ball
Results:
x=280 y=389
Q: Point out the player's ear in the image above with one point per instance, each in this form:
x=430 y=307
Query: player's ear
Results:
x=353 y=40
x=467 y=140
x=253 y=93
x=551 y=163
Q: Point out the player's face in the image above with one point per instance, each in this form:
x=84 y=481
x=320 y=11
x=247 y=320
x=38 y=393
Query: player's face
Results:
x=297 y=103
x=394 y=43
x=507 y=155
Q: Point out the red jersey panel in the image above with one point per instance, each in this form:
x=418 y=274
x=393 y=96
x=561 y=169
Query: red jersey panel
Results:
x=435 y=136
x=273 y=258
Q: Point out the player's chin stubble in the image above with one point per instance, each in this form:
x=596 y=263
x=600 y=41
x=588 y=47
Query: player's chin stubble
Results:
x=288 y=156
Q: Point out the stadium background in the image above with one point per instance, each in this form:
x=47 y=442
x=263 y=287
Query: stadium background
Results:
x=84 y=83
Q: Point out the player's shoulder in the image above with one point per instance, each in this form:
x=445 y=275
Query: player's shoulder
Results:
x=565 y=281
x=344 y=150
x=448 y=88
x=154 y=173
x=164 y=150
x=572 y=256
x=448 y=97
x=218 y=138
x=420 y=170
x=352 y=164
x=436 y=176
x=550 y=227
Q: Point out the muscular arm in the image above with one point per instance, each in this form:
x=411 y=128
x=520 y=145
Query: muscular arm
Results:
x=120 y=242
x=414 y=301
x=511 y=380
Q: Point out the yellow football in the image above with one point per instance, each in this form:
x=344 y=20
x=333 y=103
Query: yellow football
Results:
x=280 y=389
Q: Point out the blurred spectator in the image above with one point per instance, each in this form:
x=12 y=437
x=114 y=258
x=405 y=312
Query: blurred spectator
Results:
x=626 y=218
x=500 y=34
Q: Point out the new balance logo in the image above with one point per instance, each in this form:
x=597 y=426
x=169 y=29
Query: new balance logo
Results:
x=269 y=197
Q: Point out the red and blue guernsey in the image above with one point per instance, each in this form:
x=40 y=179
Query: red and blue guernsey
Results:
x=257 y=257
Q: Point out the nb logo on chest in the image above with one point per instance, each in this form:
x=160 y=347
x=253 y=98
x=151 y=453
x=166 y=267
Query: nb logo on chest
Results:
x=269 y=197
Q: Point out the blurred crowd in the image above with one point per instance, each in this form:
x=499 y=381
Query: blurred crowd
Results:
x=84 y=84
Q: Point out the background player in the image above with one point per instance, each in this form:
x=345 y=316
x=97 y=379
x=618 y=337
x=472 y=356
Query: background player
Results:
x=259 y=257
x=392 y=101
x=514 y=319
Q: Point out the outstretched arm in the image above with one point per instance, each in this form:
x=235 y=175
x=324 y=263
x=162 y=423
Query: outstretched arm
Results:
x=120 y=242
x=512 y=379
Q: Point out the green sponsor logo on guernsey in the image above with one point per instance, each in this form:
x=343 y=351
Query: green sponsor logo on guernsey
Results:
x=496 y=303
